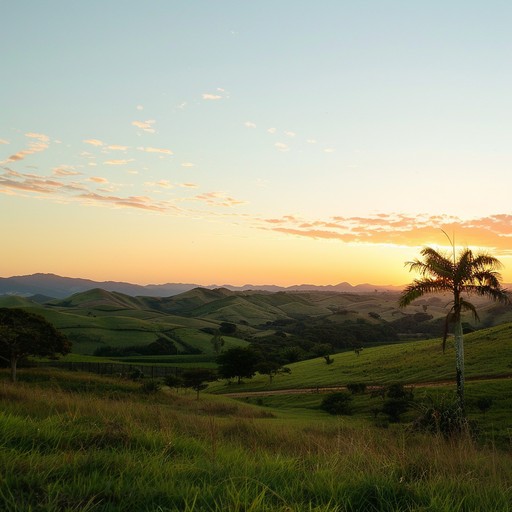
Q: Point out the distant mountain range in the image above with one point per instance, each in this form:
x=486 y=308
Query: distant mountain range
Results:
x=54 y=286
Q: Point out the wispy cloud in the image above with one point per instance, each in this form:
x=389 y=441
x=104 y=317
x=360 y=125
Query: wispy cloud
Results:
x=218 y=199
x=93 y=142
x=125 y=161
x=156 y=150
x=272 y=130
x=208 y=96
x=117 y=147
x=65 y=170
x=187 y=164
x=281 y=146
x=188 y=185
x=138 y=202
x=290 y=133
x=15 y=183
x=160 y=183
x=250 y=124
x=3 y=141
x=147 y=126
x=38 y=136
x=33 y=147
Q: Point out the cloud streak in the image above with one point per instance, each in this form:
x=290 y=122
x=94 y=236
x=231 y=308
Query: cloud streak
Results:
x=146 y=126
x=493 y=232
x=218 y=199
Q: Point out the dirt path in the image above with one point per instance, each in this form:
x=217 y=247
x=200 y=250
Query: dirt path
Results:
x=330 y=389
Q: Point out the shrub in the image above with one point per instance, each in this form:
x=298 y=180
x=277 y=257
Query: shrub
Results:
x=394 y=407
x=484 y=403
x=445 y=418
x=356 y=387
x=173 y=381
x=398 y=401
x=150 y=386
x=337 y=403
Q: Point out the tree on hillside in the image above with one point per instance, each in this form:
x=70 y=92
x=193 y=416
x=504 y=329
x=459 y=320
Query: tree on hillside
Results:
x=25 y=334
x=239 y=362
x=217 y=342
x=460 y=275
x=271 y=368
x=196 y=378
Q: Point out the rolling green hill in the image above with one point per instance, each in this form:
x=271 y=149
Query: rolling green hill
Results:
x=97 y=318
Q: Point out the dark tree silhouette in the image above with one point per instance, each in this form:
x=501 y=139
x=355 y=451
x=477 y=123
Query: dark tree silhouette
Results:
x=239 y=362
x=25 y=334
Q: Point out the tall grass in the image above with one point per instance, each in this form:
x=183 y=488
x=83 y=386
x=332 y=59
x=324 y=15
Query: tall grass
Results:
x=108 y=447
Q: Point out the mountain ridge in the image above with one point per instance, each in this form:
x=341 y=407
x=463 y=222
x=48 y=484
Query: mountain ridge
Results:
x=59 y=287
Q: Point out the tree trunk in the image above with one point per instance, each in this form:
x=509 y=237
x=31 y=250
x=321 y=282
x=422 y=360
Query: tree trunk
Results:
x=14 y=363
x=459 y=362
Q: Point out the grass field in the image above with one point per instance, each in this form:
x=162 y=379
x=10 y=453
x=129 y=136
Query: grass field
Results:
x=488 y=353
x=70 y=441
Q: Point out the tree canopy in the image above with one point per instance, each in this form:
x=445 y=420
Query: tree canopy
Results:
x=25 y=334
x=239 y=362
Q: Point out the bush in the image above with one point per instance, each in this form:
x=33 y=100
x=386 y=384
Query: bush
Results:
x=173 y=381
x=150 y=386
x=445 y=418
x=484 y=403
x=394 y=408
x=356 y=387
x=337 y=403
x=398 y=401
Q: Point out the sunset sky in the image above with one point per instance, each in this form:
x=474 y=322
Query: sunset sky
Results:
x=271 y=142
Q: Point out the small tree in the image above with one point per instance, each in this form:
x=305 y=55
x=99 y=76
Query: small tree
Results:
x=217 y=342
x=271 y=368
x=398 y=401
x=25 y=334
x=173 y=381
x=239 y=362
x=197 y=378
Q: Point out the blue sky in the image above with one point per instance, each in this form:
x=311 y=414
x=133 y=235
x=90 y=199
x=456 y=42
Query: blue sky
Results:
x=329 y=133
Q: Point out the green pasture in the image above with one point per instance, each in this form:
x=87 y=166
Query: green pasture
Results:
x=72 y=442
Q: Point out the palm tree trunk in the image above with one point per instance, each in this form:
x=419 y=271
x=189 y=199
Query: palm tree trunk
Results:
x=459 y=363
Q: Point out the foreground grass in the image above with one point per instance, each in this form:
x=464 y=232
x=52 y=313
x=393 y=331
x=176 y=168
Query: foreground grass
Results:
x=88 y=443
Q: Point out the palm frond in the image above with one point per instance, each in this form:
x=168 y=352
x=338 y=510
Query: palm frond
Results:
x=421 y=287
x=467 y=306
x=486 y=261
x=487 y=277
x=464 y=267
x=497 y=294
x=438 y=264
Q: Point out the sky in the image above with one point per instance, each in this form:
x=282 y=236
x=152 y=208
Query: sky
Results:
x=233 y=142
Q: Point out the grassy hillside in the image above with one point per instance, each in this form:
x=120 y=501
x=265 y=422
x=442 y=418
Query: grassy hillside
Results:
x=488 y=353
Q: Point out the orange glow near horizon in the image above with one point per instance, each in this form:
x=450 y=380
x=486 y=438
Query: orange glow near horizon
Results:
x=140 y=250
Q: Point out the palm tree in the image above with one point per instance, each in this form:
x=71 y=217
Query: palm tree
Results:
x=460 y=275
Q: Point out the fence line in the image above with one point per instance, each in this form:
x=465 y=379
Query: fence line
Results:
x=151 y=371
